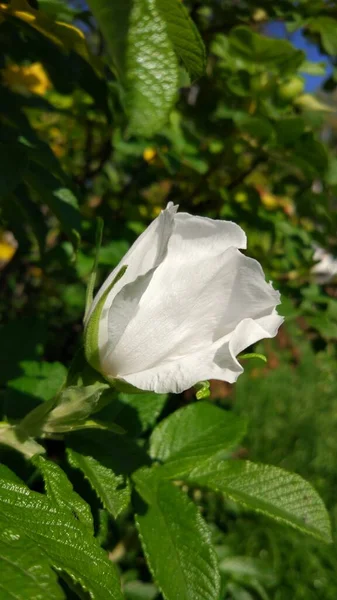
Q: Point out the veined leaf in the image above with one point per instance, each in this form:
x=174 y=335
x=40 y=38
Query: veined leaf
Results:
x=283 y=496
x=65 y=541
x=176 y=541
x=184 y=36
x=138 y=40
x=26 y=573
x=112 y=489
x=61 y=493
x=193 y=434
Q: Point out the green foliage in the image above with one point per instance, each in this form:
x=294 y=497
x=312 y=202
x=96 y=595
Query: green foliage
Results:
x=175 y=541
x=112 y=489
x=109 y=119
x=193 y=434
x=25 y=570
x=269 y=490
x=64 y=542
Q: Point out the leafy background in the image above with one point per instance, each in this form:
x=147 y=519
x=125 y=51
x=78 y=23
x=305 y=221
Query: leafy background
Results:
x=95 y=122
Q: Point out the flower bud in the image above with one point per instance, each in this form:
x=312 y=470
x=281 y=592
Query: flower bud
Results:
x=188 y=303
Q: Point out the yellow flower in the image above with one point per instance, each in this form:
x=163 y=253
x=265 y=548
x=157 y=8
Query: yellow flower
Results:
x=31 y=78
x=149 y=154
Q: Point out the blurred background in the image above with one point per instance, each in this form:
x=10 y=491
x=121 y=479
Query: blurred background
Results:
x=253 y=141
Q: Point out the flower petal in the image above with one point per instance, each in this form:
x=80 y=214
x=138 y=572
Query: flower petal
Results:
x=202 y=237
x=181 y=308
x=216 y=362
x=250 y=294
x=146 y=252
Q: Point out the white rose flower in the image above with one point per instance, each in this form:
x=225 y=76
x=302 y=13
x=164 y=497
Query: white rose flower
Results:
x=187 y=304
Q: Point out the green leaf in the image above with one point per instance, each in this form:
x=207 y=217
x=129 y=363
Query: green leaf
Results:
x=247 y=570
x=327 y=28
x=31 y=214
x=112 y=489
x=256 y=49
x=311 y=156
x=116 y=452
x=22 y=339
x=41 y=379
x=289 y=130
x=26 y=573
x=138 y=40
x=61 y=493
x=283 y=496
x=257 y=127
x=65 y=541
x=313 y=68
x=192 y=434
x=61 y=200
x=176 y=541
x=13 y=160
x=137 y=590
x=135 y=413
x=184 y=36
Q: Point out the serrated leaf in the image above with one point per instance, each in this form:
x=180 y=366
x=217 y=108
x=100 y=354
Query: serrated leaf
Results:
x=61 y=493
x=193 y=434
x=138 y=40
x=112 y=489
x=283 y=496
x=26 y=573
x=116 y=452
x=65 y=541
x=176 y=541
x=184 y=36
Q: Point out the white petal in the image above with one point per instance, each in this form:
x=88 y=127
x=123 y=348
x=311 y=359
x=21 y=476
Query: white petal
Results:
x=172 y=310
x=146 y=252
x=215 y=362
x=201 y=237
x=250 y=294
x=181 y=308
x=246 y=333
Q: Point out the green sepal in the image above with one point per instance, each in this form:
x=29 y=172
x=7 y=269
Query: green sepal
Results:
x=253 y=355
x=11 y=436
x=202 y=390
x=91 y=349
x=92 y=279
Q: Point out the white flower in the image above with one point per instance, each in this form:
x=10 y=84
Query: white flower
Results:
x=188 y=303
